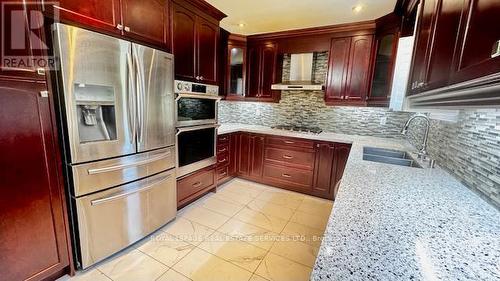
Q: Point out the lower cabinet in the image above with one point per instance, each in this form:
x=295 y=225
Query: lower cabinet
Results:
x=33 y=220
x=300 y=165
x=195 y=185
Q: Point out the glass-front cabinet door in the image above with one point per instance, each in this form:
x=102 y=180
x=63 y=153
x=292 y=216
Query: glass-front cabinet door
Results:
x=236 y=70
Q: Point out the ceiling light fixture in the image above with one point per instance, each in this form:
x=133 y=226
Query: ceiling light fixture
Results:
x=241 y=25
x=357 y=8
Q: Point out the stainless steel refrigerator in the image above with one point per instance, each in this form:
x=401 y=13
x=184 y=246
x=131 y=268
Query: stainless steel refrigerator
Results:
x=117 y=112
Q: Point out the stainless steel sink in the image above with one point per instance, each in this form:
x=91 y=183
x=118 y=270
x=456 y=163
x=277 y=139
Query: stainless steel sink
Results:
x=389 y=156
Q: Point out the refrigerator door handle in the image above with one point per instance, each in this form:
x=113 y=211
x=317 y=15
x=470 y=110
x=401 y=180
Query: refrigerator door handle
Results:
x=131 y=97
x=141 y=92
x=128 y=165
x=129 y=192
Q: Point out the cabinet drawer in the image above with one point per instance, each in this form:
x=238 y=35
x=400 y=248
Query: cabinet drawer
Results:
x=222 y=173
x=223 y=139
x=194 y=183
x=289 y=142
x=292 y=177
x=222 y=159
x=299 y=159
x=222 y=148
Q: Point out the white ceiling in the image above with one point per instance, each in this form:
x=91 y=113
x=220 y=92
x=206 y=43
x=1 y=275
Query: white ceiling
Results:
x=262 y=16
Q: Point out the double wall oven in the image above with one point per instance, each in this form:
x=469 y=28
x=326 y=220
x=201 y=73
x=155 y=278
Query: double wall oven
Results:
x=117 y=109
x=197 y=112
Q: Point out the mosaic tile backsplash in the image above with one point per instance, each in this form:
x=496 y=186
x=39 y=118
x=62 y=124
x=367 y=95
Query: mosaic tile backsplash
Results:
x=469 y=149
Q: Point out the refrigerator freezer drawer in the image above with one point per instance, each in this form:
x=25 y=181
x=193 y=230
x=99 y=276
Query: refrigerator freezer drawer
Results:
x=96 y=176
x=111 y=220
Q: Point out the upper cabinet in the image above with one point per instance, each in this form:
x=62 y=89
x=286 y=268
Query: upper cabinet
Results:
x=456 y=50
x=479 y=45
x=349 y=67
x=385 y=49
x=262 y=71
x=184 y=43
x=145 y=21
x=195 y=36
x=235 y=71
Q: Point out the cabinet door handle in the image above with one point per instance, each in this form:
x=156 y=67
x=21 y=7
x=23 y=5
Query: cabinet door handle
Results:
x=197 y=184
x=286 y=175
x=40 y=71
x=287 y=156
x=44 y=94
x=201 y=78
x=119 y=27
x=289 y=142
x=127 y=29
x=223 y=139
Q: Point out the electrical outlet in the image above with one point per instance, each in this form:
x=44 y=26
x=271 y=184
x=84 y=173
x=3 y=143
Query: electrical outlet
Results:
x=383 y=120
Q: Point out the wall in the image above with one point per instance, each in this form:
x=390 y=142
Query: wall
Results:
x=468 y=148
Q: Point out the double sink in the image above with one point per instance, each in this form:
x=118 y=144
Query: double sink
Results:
x=389 y=156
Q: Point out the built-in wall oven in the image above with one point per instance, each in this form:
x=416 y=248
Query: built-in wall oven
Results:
x=197 y=113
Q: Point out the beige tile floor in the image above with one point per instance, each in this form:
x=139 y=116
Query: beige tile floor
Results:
x=245 y=231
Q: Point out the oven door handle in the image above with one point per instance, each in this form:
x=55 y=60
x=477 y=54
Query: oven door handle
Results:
x=197 y=96
x=124 y=166
x=119 y=195
x=188 y=129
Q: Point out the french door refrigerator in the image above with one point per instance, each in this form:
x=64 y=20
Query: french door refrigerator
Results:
x=117 y=113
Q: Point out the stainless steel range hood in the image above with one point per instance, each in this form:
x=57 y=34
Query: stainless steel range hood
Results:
x=301 y=71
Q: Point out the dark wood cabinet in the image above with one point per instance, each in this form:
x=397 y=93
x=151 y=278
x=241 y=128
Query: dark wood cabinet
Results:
x=146 y=21
x=207 y=37
x=337 y=69
x=16 y=58
x=235 y=68
x=385 y=50
x=100 y=14
x=300 y=165
x=434 y=44
x=184 y=43
x=195 y=185
x=455 y=51
x=195 y=44
x=324 y=170
x=349 y=72
x=256 y=156
x=262 y=63
x=478 y=52
x=227 y=155
x=33 y=221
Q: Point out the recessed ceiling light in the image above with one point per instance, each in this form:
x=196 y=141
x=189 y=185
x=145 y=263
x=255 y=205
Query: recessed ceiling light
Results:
x=241 y=25
x=357 y=8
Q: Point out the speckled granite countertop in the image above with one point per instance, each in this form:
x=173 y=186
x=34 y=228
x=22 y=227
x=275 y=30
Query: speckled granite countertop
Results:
x=399 y=223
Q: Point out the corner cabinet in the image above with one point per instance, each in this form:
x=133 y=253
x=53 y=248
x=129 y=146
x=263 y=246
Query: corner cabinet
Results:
x=262 y=65
x=349 y=72
x=329 y=166
x=195 y=39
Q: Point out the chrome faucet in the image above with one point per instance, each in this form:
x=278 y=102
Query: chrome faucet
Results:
x=422 y=154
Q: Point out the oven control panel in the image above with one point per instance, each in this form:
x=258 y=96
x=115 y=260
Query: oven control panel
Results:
x=195 y=88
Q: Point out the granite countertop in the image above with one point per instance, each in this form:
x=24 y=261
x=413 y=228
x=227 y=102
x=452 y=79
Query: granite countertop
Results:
x=400 y=223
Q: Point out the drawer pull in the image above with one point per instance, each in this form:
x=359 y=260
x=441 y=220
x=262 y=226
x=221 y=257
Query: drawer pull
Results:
x=289 y=142
x=223 y=149
x=223 y=173
x=197 y=184
x=287 y=156
x=223 y=139
x=286 y=175
x=223 y=160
